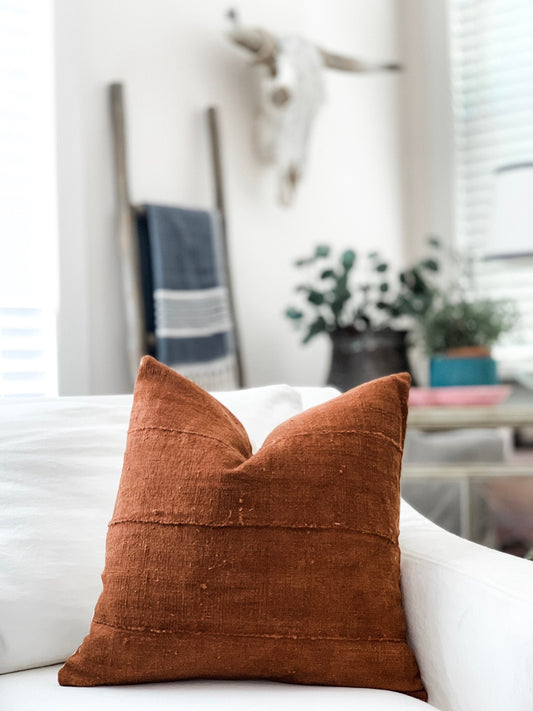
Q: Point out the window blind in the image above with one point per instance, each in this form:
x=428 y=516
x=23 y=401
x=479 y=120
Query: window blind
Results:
x=28 y=242
x=491 y=52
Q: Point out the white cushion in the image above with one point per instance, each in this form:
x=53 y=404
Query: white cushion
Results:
x=60 y=463
x=316 y=396
x=262 y=409
x=38 y=690
x=469 y=613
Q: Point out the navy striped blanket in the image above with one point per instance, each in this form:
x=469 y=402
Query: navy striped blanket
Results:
x=185 y=294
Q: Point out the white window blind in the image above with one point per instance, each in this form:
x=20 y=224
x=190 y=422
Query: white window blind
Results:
x=492 y=87
x=28 y=241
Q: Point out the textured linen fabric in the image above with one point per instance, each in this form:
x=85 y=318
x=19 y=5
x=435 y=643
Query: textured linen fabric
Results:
x=282 y=564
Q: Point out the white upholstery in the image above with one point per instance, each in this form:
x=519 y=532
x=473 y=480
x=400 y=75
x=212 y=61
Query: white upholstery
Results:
x=38 y=690
x=469 y=613
x=469 y=610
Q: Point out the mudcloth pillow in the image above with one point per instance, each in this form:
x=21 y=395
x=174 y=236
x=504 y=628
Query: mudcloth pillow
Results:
x=282 y=564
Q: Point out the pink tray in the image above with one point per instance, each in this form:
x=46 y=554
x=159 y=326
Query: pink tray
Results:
x=459 y=396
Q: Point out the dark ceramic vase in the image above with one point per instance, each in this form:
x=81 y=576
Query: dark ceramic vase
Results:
x=358 y=357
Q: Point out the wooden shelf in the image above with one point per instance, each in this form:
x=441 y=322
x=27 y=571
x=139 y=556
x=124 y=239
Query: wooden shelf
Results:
x=478 y=470
x=445 y=418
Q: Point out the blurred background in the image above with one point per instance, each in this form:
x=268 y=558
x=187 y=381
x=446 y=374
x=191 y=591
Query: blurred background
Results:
x=374 y=166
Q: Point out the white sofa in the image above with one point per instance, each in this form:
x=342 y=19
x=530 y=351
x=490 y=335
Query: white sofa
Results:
x=469 y=609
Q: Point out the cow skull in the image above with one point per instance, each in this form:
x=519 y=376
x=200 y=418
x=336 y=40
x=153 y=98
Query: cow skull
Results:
x=290 y=91
x=290 y=88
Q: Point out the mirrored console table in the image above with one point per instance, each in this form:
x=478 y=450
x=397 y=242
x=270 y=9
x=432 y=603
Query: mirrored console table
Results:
x=433 y=419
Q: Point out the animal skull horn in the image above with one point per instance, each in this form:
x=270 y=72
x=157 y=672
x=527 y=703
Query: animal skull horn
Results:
x=289 y=74
x=260 y=42
x=263 y=45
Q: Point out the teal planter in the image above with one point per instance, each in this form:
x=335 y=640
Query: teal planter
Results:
x=446 y=372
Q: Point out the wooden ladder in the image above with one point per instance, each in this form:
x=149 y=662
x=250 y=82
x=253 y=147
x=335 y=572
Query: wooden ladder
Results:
x=138 y=338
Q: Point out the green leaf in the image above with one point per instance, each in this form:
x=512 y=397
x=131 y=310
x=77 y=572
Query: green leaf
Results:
x=431 y=264
x=348 y=259
x=328 y=273
x=321 y=251
x=318 y=326
x=404 y=307
x=315 y=297
x=414 y=282
x=420 y=286
x=304 y=261
x=293 y=313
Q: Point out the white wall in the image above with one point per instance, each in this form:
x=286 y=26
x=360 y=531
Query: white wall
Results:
x=428 y=135
x=175 y=61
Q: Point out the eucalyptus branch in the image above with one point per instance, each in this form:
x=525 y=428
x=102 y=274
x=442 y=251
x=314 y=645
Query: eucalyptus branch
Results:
x=335 y=299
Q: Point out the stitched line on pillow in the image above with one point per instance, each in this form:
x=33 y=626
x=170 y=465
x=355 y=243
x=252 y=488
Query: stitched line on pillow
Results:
x=186 y=432
x=304 y=526
x=365 y=433
x=193 y=633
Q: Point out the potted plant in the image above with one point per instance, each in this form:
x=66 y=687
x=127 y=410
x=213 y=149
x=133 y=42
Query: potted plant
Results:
x=458 y=332
x=367 y=318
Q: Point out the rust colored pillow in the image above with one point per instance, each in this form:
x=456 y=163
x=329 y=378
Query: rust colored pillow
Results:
x=281 y=565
